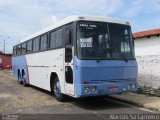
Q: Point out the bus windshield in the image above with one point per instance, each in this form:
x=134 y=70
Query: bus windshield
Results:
x=100 y=40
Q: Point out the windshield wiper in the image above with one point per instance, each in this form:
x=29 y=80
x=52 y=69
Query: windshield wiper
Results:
x=100 y=57
x=125 y=57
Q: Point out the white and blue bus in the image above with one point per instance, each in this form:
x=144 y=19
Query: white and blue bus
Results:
x=79 y=56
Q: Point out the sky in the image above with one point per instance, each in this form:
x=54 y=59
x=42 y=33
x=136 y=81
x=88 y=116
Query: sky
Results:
x=20 y=18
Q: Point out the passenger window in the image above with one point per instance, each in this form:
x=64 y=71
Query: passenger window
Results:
x=14 y=51
x=58 y=38
x=36 y=44
x=68 y=45
x=18 y=49
x=69 y=74
x=29 y=46
x=44 y=42
x=24 y=48
x=53 y=40
x=68 y=36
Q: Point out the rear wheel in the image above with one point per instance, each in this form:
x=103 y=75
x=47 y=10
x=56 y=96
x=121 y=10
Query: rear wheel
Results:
x=25 y=84
x=19 y=79
x=57 y=90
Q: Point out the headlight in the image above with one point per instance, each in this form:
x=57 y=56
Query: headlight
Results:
x=94 y=89
x=133 y=86
x=124 y=89
x=129 y=86
x=86 y=89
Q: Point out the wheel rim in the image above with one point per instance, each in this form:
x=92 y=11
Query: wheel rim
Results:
x=57 y=89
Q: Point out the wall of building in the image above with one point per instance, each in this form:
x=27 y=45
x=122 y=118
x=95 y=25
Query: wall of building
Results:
x=149 y=71
x=147 y=46
x=148 y=58
x=5 y=60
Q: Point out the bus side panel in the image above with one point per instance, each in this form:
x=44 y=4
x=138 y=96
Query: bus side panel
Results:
x=42 y=64
x=105 y=76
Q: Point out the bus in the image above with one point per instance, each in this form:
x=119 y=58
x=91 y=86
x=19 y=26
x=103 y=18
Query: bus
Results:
x=79 y=56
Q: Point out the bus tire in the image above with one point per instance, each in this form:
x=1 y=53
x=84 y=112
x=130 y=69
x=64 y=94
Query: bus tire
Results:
x=25 y=84
x=19 y=78
x=57 y=90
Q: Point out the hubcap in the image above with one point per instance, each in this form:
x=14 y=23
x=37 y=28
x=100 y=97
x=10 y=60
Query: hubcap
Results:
x=57 y=89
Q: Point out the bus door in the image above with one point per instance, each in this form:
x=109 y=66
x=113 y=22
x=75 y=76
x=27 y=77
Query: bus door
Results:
x=69 y=85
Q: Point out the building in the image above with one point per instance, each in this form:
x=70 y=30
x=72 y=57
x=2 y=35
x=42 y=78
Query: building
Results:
x=147 y=42
x=147 y=50
x=5 y=60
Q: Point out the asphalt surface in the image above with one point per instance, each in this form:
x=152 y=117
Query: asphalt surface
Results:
x=34 y=103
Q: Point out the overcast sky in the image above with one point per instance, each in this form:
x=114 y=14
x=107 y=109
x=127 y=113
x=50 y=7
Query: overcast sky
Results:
x=20 y=18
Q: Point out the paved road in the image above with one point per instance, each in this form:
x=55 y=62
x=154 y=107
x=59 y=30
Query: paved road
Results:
x=16 y=99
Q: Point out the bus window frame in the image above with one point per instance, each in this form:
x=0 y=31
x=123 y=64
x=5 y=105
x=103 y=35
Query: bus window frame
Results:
x=45 y=34
x=31 y=46
x=14 y=51
x=37 y=45
x=18 y=52
x=72 y=24
x=25 y=48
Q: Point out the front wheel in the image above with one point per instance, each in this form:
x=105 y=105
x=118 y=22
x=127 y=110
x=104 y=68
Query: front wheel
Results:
x=57 y=91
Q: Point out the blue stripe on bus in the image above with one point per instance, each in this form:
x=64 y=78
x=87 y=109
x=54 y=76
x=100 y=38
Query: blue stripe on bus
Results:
x=124 y=73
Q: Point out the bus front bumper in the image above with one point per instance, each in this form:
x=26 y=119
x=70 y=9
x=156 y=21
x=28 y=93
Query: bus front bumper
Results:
x=84 y=90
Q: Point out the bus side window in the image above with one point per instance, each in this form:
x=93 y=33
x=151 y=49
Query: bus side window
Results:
x=19 y=49
x=36 y=44
x=23 y=48
x=14 y=50
x=29 y=46
x=59 y=38
x=44 y=42
x=69 y=37
x=53 y=40
x=69 y=74
x=68 y=45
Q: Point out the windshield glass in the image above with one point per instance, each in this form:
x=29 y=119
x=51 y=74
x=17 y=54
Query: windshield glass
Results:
x=99 y=40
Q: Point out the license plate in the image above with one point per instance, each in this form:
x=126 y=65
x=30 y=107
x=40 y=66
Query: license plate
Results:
x=113 y=88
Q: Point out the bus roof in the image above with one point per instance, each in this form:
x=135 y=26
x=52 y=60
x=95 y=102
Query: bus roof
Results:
x=76 y=18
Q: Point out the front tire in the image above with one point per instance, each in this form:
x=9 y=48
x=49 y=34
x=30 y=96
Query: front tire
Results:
x=57 y=90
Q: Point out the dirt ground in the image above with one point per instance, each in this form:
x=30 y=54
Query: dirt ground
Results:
x=14 y=95
x=17 y=99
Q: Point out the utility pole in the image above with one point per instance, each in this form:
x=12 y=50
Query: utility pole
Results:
x=4 y=45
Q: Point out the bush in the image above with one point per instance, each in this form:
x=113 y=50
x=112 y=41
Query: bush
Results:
x=149 y=91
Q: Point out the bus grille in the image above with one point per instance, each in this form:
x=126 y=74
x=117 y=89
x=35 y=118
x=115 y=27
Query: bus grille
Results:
x=111 y=81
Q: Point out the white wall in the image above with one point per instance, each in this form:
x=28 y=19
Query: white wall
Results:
x=149 y=71
x=147 y=46
x=148 y=58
